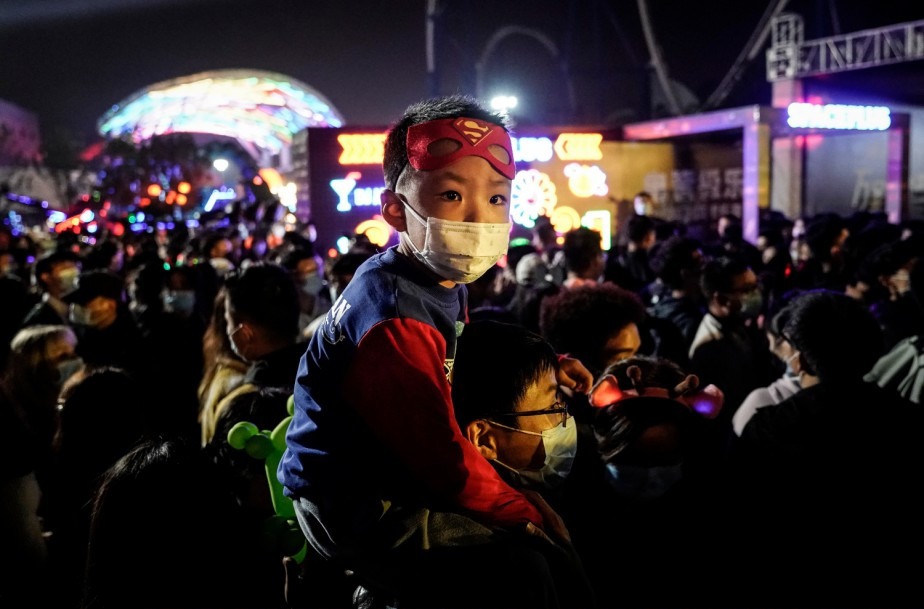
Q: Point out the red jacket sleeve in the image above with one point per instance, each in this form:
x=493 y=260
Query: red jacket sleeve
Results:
x=397 y=384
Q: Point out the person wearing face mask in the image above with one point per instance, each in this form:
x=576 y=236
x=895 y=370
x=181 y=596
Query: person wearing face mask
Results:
x=55 y=274
x=508 y=404
x=106 y=332
x=830 y=475
x=372 y=395
x=650 y=490
x=783 y=387
x=307 y=271
x=729 y=349
x=173 y=335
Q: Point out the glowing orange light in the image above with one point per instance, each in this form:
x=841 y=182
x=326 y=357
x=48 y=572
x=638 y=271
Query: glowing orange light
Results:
x=376 y=230
x=154 y=190
x=270 y=177
x=171 y=197
x=362 y=148
x=565 y=218
x=144 y=202
x=184 y=187
x=181 y=199
x=579 y=146
x=332 y=253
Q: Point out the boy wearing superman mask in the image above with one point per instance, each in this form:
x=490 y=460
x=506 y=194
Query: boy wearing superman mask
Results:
x=383 y=480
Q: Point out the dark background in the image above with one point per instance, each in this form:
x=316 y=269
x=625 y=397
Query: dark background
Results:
x=70 y=60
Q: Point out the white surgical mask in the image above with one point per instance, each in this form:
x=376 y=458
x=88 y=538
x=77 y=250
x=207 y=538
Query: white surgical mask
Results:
x=643 y=483
x=560 y=445
x=460 y=251
x=81 y=315
x=180 y=301
x=67 y=279
x=68 y=368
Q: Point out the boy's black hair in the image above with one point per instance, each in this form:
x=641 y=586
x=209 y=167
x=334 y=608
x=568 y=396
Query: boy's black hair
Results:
x=581 y=248
x=837 y=336
x=581 y=320
x=494 y=366
x=674 y=256
x=46 y=263
x=639 y=227
x=718 y=275
x=263 y=293
x=450 y=106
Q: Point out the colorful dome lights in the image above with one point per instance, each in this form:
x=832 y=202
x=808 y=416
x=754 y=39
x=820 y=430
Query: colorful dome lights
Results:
x=264 y=109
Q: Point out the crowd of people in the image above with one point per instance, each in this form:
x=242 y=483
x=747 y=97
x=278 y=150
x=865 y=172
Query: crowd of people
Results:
x=678 y=421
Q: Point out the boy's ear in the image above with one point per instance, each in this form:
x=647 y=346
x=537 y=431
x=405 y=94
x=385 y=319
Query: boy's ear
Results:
x=393 y=210
x=481 y=435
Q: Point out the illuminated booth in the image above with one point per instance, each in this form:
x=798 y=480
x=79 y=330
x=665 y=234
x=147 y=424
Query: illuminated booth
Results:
x=696 y=168
x=743 y=137
x=574 y=176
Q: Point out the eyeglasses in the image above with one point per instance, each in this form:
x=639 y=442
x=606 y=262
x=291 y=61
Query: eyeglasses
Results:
x=560 y=408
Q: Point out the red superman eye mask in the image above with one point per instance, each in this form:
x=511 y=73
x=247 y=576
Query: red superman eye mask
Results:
x=436 y=144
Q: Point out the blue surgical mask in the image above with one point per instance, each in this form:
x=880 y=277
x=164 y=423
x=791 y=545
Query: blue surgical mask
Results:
x=68 y=368
x=560 y=445
x=180 y=301
x=312 y=285
x=643 y=483
x=751 y=304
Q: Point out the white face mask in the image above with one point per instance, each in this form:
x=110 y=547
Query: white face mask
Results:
x=560 y=445
x=67 y=279
x=81 y=315
x=460 y=251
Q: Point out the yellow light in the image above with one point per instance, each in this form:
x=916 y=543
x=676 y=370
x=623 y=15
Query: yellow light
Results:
x=184 y=188
x=377 y=230
x=154 y=190
x=362 y=148
x=271 y=178
x=600 y=220
x=565 y=218
x=579 y=146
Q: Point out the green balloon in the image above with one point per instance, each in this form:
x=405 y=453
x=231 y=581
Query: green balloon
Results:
x=240 y=433
x=259 y=446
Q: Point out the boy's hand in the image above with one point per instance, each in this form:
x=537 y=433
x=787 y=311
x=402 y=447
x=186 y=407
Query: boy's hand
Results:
x=573 y=375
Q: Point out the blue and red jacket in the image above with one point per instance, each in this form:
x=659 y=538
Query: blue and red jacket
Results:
x=373 y=410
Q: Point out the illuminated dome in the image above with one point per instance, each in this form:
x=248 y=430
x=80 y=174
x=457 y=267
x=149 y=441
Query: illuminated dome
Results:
x=259 y=109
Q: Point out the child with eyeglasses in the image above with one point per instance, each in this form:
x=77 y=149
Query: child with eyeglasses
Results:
x=381 y=475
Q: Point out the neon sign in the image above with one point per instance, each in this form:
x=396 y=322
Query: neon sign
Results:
x=361 y=148
x=836 y=116
x=216 y=196
x=369 y=149
x=349 y=196
x=600 y=220
x=529 y=149
x=586 y=180
x=533 y=194
x=579 y=146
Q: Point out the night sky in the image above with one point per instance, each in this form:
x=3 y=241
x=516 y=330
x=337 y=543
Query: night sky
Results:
x=70 y=60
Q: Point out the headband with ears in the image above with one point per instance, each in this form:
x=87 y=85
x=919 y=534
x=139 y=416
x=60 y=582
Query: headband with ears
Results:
x=707 y=401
